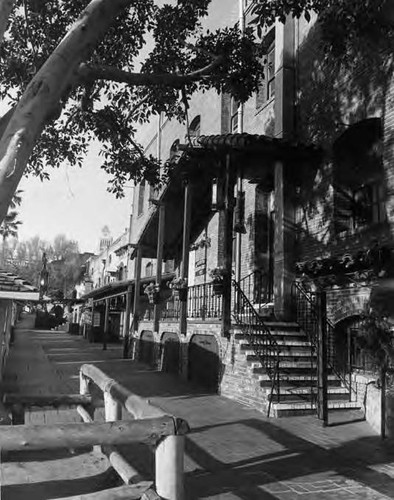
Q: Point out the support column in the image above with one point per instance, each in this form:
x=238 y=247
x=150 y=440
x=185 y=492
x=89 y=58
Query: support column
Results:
x=284 y=216
x=322 y=404
x=284 y=243
x=185 y=251
x=228 y=246
x=106 y=323
x=126 y=326
x=159 y=261
x=137 y=286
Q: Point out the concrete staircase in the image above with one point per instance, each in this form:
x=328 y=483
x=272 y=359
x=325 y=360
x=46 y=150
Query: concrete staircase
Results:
x=298 y=380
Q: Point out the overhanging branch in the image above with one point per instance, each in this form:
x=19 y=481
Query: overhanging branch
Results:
x=93 y=72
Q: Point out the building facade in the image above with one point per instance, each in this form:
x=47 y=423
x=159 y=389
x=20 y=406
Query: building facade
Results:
x=269 y=203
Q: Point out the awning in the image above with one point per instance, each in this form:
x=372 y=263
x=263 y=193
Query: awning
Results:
x=13 y=287
x=203 y=159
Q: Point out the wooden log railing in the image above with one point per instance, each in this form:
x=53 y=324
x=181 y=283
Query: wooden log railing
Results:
x=150 y=425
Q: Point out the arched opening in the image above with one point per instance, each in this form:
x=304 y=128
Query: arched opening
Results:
x=195 y=127
x=170 y=352
x=204 y=362
x=350 y=355
x=146 y=347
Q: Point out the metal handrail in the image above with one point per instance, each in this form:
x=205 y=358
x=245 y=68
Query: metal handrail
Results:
x=260 y=338
x=312 y=335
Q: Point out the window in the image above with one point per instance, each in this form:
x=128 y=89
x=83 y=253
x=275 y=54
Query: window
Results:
x=141 y=197
x=234 y=106
x=267 y=85
x=355 y=208
x=149 y=270
x=174 y=150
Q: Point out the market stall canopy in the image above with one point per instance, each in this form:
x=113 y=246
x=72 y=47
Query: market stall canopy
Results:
x=13 y=287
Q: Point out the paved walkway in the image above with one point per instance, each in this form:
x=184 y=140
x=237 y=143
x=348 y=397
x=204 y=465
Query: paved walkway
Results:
x=233 y=452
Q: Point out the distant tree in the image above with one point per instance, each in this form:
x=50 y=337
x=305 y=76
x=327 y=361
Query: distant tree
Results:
x=10 y=224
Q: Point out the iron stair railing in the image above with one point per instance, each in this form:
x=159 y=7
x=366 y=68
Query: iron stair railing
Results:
x=260 y=338
x=307 y=316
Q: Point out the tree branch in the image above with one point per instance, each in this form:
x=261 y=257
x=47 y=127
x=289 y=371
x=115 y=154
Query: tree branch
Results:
x=90 y=72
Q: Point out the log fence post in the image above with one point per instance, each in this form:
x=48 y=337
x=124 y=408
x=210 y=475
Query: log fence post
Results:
x=169 y=468
x=112 y=407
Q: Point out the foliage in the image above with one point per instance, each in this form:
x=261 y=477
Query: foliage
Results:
x=218 y=274
x=178 y=283
x=151 y=288
x=376 y=338
x=344 y=23
x=108 y=99
x=10 y=224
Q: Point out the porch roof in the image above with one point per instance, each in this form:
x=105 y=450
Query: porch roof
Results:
x=202 y=160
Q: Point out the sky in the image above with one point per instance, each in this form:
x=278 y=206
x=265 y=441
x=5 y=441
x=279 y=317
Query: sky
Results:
x=73 y=202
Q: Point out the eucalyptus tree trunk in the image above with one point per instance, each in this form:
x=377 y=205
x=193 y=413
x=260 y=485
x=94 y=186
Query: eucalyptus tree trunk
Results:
x=43 y=94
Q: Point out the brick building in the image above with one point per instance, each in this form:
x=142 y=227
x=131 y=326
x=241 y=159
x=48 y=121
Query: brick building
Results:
x=283 y=195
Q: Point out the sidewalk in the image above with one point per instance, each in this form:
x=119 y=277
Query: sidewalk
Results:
x=233 y=452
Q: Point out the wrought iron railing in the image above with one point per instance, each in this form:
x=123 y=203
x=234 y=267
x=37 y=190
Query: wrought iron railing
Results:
x=203 y=303
x=257 y=287
x=307 y=316
x=260 y=338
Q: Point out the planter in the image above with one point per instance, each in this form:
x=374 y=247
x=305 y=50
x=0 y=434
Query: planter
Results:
x=154 y=298
x=181 y=293
x=217 y=288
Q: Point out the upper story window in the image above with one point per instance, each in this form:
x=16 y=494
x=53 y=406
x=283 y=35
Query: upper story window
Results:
x=359 y=189
x=141 y=198
x=174 y=149
x=149 y=270
x=234 y=107
x=266 y=91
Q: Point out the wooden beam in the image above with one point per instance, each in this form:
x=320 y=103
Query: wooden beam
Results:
x=228 y=246
x=159 y=262
x=322 y=397
x=137 y=285
x=185 y=250
x=127 y=492
x=127 y=472
x=47 y=400
x=81 y=435
x=126 y=326
x=106 y=323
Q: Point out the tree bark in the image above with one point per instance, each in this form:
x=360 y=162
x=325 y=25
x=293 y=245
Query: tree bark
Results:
x=45 y=90
x=6 y=7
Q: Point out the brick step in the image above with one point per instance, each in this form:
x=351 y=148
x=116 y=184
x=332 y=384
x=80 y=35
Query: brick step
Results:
x=282 y=325
x=297 y=394
x=285 y=350
x=295 y=409
x=295 y=380
x=285 y=364
x=283 y=336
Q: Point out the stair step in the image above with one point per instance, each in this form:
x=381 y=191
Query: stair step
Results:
x=296 y=394
x=304 y=408
x=298 y=351
x=286 y=325
x=285 y=364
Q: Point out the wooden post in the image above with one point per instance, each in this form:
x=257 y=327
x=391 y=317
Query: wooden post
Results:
x=106 y=322
x=169 y=468
x=18 y=414
x=322 y=404
x=113 y=409
x=185 y=251
x=84 y=390
x=126 y=326
x=228 y=246
x=159 y=262
x=137 y=285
